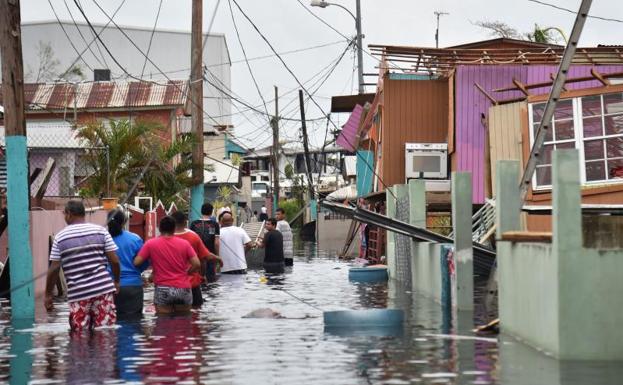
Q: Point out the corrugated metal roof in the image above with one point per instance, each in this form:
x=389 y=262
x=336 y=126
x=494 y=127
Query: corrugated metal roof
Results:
x=99 y=95
x=347 y=137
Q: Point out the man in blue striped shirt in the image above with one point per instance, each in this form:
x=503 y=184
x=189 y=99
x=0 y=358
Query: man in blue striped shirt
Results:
x=84 y=251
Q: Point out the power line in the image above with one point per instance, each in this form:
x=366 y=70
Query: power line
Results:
x=67 y=36
x=244 y=53
x=82 y=36
x=79 y=57
x=574 y=12
x=305 y=90
x=151 y=38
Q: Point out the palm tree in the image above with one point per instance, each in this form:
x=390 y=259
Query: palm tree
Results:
x=135 y=150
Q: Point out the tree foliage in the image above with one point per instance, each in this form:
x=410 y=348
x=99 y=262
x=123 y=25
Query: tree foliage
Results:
x=47 y=67
x=125 y=150
x=498 y=28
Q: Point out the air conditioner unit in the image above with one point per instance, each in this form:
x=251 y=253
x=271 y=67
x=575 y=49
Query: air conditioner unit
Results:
x=426 y=161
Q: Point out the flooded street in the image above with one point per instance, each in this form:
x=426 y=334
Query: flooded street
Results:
x=216 y=345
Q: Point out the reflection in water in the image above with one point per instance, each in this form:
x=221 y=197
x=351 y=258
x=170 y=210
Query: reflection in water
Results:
x=215 y=345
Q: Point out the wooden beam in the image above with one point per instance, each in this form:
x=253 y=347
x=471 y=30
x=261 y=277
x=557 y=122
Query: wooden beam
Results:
x=527 y=236
x=521 y=87
x=600 y=77
x=486 y=94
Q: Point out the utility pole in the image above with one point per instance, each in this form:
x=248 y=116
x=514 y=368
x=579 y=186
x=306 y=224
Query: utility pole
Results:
x=306 y=145
x=196 y=88
x=359 y=47
x=18 y=195
x=438 y=13
x=275 y=158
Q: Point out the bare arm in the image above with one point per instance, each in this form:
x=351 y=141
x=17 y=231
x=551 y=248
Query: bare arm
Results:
x=52 y=278
x=113 y=259
x=248 y=246
x=138 y=260
x=194 y=264
x=217 y=245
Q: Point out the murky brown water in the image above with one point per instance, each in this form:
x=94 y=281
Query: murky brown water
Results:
x=215 y=345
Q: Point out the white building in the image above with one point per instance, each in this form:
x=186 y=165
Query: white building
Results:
x=169 y=51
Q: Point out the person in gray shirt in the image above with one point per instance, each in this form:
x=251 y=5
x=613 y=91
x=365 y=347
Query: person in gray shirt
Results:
x=284 y=227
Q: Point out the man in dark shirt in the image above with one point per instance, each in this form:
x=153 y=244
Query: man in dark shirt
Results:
x=208 y=230
x=273 y=246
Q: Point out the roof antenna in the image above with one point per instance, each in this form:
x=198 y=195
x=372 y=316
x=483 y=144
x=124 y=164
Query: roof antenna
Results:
x=438 y=14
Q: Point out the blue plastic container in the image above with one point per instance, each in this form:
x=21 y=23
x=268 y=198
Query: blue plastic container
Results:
x=368 y=274
x=366 y=318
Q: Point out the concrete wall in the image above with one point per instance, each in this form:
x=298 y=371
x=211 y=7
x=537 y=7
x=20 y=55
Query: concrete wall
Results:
x=562 y=297
x=332 y=234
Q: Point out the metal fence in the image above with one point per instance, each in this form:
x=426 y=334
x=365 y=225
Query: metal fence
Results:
x=403 y=243
x=61 y=165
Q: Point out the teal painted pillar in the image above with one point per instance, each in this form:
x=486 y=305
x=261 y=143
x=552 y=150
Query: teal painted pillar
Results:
x=390 y=250
x=462 y=226
x=21 y=359
x=20 y=255
x=313 y=208
x=365 y=162
x=196 y=201
x=507 y=197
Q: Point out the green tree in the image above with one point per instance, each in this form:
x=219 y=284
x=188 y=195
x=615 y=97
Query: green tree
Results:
x=125 y=150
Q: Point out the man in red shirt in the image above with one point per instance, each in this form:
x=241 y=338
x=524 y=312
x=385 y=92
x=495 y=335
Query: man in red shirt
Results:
x=172 y=259
x=202 y=252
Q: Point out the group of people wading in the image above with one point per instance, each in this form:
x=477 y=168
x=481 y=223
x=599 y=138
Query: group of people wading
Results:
x=103 y=267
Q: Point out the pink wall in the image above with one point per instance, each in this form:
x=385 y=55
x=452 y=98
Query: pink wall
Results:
x=470 y=104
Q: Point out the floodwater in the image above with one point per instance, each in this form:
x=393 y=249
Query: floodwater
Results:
x=215 y=345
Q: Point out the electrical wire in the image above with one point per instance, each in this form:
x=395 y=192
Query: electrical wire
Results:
x=151 y=38
x=68 y=38
x=82 y=36
x=93 y=40
x=244 y=53
x=574 y=12
x=306 y=91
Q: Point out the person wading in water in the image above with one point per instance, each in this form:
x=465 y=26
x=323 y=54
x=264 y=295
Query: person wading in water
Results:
x=129 y=300
x=273 y=245
x=172 y=259
x=209 y=231
x=234 y=242
x=284 y=227
x=84 y=250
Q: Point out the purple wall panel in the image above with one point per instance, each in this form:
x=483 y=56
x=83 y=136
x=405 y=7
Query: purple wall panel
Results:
x=471 y=103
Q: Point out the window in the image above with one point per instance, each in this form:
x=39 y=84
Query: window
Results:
x=594 y=125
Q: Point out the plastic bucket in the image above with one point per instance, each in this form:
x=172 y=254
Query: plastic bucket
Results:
x=368 y=274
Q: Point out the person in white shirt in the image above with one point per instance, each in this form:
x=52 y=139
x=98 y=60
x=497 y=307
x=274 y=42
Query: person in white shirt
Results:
x=284 y=227
x=234 y=242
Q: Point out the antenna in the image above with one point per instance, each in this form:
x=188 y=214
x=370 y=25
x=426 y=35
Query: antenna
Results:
x=438 y=14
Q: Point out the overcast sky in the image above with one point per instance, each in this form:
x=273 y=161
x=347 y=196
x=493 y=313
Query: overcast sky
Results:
x=288 y=26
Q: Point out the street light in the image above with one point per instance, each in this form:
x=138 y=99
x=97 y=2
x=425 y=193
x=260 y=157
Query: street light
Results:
x=324 y=4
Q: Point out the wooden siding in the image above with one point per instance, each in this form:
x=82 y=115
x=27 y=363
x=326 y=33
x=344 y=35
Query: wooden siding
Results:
x=415 y=111
x=505 y=134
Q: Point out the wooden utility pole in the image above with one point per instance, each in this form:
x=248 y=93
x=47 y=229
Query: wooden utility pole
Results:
x=275 y=158
x=306 y=146
x=18 y=195
x=196 y=88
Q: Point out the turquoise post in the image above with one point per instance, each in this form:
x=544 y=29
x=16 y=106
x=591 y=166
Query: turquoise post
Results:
x=196 y=201
x=20 y=255
x=462 y=226
x=21 y=359
x=313 y=208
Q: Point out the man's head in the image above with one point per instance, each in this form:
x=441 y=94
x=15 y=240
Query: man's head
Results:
x=207 y=209
x=271 y=224
x=280 y=215
x=226 y=219
x=74 y=212
x=167 y=226
x=180 y=220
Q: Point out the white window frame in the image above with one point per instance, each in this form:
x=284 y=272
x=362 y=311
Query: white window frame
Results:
x=578 y=129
